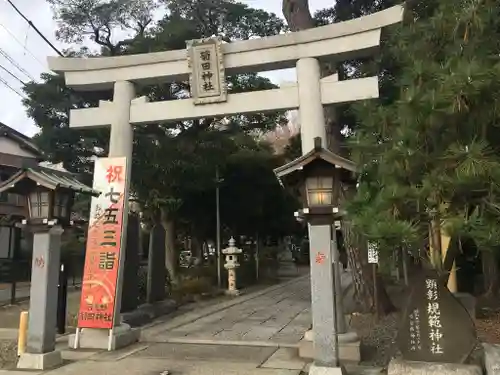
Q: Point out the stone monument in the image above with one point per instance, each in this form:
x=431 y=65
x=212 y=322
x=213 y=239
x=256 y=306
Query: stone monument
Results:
x=436 y=328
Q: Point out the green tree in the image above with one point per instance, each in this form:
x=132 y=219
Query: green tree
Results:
x=432 y=152
x=184 y=153
x=96 y=20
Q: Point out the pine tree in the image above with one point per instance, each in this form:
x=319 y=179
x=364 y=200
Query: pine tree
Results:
x=431 y=152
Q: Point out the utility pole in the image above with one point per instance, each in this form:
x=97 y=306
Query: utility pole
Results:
x=217 y=205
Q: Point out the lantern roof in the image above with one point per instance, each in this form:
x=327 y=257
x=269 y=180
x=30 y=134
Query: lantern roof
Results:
x=49 y=178
x=318 y=153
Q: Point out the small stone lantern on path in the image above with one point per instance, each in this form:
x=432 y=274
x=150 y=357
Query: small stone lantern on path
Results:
x=231 y=264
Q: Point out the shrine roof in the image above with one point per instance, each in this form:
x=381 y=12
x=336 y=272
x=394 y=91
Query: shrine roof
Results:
x=317 y=153
x=46 y=177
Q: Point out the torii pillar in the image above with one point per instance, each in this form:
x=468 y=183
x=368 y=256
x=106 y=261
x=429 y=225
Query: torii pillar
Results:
x=120 y=145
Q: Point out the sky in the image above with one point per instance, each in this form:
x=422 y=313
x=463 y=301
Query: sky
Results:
x=24 y=54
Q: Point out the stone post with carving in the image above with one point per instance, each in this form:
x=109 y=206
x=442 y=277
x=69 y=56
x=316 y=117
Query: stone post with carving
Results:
x=231 y=264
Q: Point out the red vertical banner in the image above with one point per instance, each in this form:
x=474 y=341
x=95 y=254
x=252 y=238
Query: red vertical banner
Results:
x=100 y=275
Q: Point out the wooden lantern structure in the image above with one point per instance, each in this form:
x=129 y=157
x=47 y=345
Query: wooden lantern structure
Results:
x=49 y=194
x=316 y=177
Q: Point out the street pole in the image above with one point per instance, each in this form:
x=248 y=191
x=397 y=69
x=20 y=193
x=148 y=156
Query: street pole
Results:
x=217 y=204
x=257 y=256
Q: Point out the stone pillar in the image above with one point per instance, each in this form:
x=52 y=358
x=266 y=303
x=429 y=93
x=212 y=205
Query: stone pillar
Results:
x=121 y=142
x=311 y=115
x=120 y=145
x=40 y=351
x=157 y=272
x=339 y=305
x=130 y=287
x=122 y=134
x=323 y=303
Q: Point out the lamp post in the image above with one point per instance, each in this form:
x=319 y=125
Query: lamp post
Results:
x=318 y=174
x=320 y=215
x=49 y=194
x=217 y=244
x=49 y=211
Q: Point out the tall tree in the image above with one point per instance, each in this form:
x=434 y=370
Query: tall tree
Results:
x=79 y=21
x=432 y=153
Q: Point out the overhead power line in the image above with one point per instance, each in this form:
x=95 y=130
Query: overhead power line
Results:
x=35 y=28
x=15 y=63
x=21 y=44
x=6 y=84
x=12 y=74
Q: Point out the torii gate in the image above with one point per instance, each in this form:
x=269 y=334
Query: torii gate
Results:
x=206 y=66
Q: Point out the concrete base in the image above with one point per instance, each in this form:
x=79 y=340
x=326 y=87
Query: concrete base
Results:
x=123 y=336
x=492 y=359
x=349 y=347
x=235 y=292
x=44 y=361
x=320 y=370
x=400 y=367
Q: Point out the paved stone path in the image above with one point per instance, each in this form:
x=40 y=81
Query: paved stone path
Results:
x=254 y=334
x=279 y=317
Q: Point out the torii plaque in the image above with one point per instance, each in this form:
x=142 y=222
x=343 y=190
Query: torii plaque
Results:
x=207 y=78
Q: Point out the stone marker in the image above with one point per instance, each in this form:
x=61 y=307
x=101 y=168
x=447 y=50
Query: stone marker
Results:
x=130 y=291
x=157 y=273
x=492 y=359
x=436 y=327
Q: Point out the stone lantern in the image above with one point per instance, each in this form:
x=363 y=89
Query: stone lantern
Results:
x=318 y=177
x=49 y=193
x=231 y=264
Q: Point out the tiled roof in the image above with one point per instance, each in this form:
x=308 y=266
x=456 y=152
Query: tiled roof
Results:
x=49 y=178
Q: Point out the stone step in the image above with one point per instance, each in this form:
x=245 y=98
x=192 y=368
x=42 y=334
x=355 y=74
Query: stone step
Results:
x=351 y=369
x=364 y=370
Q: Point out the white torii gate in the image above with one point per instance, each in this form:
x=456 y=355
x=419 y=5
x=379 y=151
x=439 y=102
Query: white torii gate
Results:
x=304 y=50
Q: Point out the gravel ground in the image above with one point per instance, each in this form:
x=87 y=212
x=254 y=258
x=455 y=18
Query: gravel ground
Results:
x=8 y=354
x=9 y=319
x=377 y=338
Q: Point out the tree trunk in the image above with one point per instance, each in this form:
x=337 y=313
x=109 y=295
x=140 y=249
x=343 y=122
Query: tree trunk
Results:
x=362 y=274
x=490 y=273
x=170 y=254
x=298 y=17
